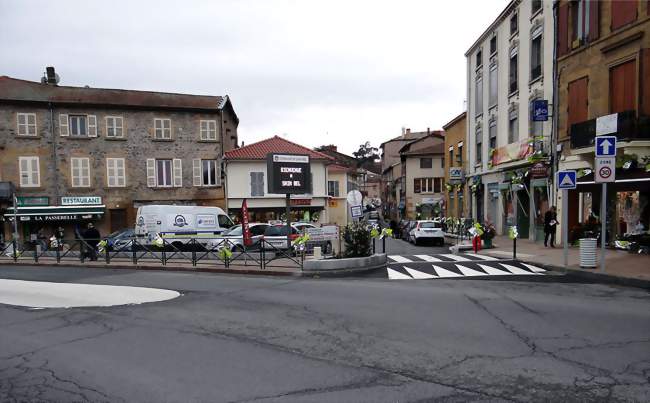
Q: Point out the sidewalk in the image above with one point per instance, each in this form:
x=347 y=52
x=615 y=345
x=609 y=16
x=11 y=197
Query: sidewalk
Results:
x=618 y=263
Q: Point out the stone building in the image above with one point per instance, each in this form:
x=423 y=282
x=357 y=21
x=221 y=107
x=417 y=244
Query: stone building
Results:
x=509 y=67
x=456 y=188
x=77 y=154
x=603 y=68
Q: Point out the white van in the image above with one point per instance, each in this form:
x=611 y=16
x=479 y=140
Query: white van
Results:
x=179 y=224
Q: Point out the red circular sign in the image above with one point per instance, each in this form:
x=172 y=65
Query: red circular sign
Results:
x=605 y=172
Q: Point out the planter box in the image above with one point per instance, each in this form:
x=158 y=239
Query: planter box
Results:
x=375 y=261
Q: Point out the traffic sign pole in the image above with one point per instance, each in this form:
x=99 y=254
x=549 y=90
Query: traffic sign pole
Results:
x=603 y=226
x=565 y=226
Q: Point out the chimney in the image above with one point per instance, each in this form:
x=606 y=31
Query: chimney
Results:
x=51 y=75
x=408 y=130
x=428 y=131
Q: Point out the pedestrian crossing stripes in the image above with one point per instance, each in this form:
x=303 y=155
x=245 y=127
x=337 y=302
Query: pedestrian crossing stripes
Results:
x=426 y=270
x=443 y=257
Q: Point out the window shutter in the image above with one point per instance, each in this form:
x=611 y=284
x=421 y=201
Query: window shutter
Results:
x=260 y=182
x=178 y=172
x=253 y=183
x=110 y=177
x=151 y=172
x=92 y=126
x=594 y=20
x=623 y=12
x=218 y=173
x=63 y=125
x=563 y=29
x=36 y=172
x=196 y=172
x=25 y=172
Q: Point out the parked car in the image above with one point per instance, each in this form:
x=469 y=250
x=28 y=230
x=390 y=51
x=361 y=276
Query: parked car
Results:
x=235 y=236
x=275 y=236
x=427 y=231
x=301 y=226
x=121 y=240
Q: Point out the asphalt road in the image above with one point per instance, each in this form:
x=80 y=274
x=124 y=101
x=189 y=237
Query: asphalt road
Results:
x=241 y=339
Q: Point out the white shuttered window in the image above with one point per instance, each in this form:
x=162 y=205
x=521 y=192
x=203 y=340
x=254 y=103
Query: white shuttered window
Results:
x=80 y=172
x=114 y=127
x=257 y=183
x=208 y=130
x=30 y=175
x=164 y=172
x=26 y=124
x=115 y=172
x=162 y=129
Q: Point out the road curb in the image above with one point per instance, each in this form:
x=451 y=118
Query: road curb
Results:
x=594 y=277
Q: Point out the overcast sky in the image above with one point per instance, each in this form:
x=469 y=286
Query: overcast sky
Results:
x=317 y=72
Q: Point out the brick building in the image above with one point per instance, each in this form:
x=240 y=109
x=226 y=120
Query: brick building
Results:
x=603 y=69
x=79 y=154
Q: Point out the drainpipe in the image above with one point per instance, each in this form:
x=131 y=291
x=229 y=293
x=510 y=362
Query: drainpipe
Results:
x=55 y=161
x=556 y=108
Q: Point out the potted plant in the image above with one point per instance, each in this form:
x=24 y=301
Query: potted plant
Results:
x=488 y=234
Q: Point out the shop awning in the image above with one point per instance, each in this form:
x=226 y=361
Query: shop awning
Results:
x=625 y=181
x=56 y=213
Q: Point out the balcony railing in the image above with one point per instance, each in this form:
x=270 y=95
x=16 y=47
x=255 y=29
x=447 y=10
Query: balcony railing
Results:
x=629 y=127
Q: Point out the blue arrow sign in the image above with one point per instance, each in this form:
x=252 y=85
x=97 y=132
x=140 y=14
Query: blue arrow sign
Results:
x=606 y=146
x=566 y=180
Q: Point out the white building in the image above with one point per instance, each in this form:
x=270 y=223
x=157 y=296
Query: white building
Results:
x=246 y=178
x=509 y=66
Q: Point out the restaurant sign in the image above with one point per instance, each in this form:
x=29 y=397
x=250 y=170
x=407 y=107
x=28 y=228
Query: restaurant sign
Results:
x=81 y=200
x=539 y=170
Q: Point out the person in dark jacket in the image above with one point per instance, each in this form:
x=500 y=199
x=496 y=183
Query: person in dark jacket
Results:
x=91 y=237
x=550 y=223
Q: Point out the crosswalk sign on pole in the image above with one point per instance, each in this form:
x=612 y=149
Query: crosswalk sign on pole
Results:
x=566 y=180
x=605 y=146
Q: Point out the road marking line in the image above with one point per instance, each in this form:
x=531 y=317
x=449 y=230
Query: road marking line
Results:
x=483 y=257
x=428 y=258
x=492 y=271
x=534 y=268
x=455 y=257
x=418 y=275
x=444 y=272
x=399 y=259
x=395 y=275
x=469 y=272
x=515 y=270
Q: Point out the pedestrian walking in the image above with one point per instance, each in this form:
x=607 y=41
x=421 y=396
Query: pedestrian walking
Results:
x=91 y=238
x=550 y=223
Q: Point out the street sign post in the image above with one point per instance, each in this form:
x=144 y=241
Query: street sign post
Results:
x=605 y=171
x=565 y=180
x=354 y=199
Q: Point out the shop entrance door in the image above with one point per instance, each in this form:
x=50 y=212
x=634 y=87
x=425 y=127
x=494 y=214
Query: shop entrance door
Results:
x=118 y=219
x=523 y=214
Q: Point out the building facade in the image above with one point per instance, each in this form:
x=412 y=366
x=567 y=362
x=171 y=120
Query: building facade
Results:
x=456 y=157
x=508 y=67
x=603 y=65
x=340 y=180
x=77 y=155
x=246 y=178
x=423 y=176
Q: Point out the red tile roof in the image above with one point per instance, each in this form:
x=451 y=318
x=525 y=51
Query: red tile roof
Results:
x=275 y=144
x=338 y=168
x=12 y=89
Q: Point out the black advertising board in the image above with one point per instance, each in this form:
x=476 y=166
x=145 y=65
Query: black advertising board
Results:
x=288 y=173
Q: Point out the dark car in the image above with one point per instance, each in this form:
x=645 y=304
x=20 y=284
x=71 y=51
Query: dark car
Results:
x=121 y=240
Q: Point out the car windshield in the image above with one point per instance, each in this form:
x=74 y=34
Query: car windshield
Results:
x=234 y=231
x=277 y=230
x=428 y=224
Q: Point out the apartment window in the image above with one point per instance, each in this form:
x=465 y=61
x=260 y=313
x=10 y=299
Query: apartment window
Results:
x=78 y=126
x=257 y=183
x=536 y=57
x=479 y=95
x=459 y=157
x=80 y=172
x=479 y=146
x=30 y=173
x=492 y=132
x=512 y=78
x=116 y=172
x=209 y=172
x=493 y=45
x=26 y=124
x=536 y=6
x=333 y=188
x=163 y=129
x=114 y=127
x=514 y=26
x=513 y=129
x=208 y=130
x=164 y=173
x=426 y=163
x=493 y=85
x=623 y=12
x=451 y=155
x=622 y=87
x=479 y=59
x=437 y=185
x=423 y=185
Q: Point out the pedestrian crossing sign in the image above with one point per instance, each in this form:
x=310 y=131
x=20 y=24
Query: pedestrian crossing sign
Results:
x=566 y=180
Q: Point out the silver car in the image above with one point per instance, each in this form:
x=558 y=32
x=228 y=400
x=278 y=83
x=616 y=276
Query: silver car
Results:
x=235 y=236
x=427 y=231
